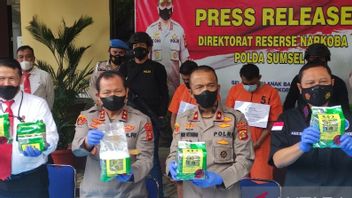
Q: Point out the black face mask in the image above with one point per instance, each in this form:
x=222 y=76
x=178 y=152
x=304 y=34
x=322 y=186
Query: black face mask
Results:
x=113 y=103
x=317 y=95
x=206 y=99
x=140 y=52
x=117 y=60
x=165 y=13
x=8 y=92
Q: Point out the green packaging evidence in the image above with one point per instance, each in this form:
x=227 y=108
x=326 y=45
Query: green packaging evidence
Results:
x=112 y=168
x=5 y=126
x=331 y=123
x=114 y=156
x=31 y=134
x=191 y=160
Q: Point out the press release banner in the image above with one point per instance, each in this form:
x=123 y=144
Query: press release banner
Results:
x=226 y=34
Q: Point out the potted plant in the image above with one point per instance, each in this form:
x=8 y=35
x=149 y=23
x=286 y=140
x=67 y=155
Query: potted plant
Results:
x=69 y=81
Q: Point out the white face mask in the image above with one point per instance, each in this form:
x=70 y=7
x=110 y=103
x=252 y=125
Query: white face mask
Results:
x=26 y=65
x=250 y=88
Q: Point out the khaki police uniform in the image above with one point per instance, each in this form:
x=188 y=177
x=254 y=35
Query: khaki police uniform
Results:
x=100 y=67
x=139 y=135
x=229 y=148
x=169 y=48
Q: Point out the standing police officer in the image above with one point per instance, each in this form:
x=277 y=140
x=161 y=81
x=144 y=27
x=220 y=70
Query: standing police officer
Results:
x=169 y=43
x=225 y=131
x=112 y=93
x=146 y=80
x=117 y=51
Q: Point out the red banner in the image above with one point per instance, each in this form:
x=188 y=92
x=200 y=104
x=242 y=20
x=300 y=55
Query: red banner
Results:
x=241 y=19
x=272 y=34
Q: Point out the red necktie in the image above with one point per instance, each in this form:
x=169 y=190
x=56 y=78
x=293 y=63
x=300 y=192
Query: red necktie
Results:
x=9 y=111
x=26 y=83
x=5 y=148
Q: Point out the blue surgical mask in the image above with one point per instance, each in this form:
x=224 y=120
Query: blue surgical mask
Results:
x=250 y=88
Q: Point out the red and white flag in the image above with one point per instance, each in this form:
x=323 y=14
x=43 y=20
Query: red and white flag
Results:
x=277 y=126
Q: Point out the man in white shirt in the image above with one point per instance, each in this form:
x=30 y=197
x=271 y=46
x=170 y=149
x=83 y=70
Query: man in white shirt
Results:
x=35 y=81
x=23 y=173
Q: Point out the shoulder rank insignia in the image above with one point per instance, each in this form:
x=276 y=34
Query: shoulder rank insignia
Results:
x=81 y=120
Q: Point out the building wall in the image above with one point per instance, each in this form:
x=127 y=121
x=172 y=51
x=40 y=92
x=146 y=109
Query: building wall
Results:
x=52 y=12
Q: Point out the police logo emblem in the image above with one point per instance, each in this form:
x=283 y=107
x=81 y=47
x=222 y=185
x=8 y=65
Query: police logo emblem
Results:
x=223 y=154
x=81 y=120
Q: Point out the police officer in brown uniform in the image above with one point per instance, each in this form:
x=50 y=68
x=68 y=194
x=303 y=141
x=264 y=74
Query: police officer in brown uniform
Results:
x=117 y=56
x=230 y=152
x=112 y=94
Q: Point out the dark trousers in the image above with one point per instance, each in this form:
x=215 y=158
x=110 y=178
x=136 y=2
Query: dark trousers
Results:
x=31 y=184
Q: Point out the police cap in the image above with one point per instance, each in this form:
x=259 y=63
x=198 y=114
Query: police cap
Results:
x=117 y=43
x=141 y=37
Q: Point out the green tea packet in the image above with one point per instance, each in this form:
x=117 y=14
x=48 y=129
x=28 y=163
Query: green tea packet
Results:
x=114 y=155
x=5 y=126
x=114 y=167
x=31 y=134
x=331 y=123
x=191 y=160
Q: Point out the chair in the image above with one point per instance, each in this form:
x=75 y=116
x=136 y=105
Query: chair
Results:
x=152 y=186
x=62 y=181
x=259 y=188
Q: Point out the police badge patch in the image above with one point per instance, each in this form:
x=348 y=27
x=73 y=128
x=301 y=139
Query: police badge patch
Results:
x=81 y=120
